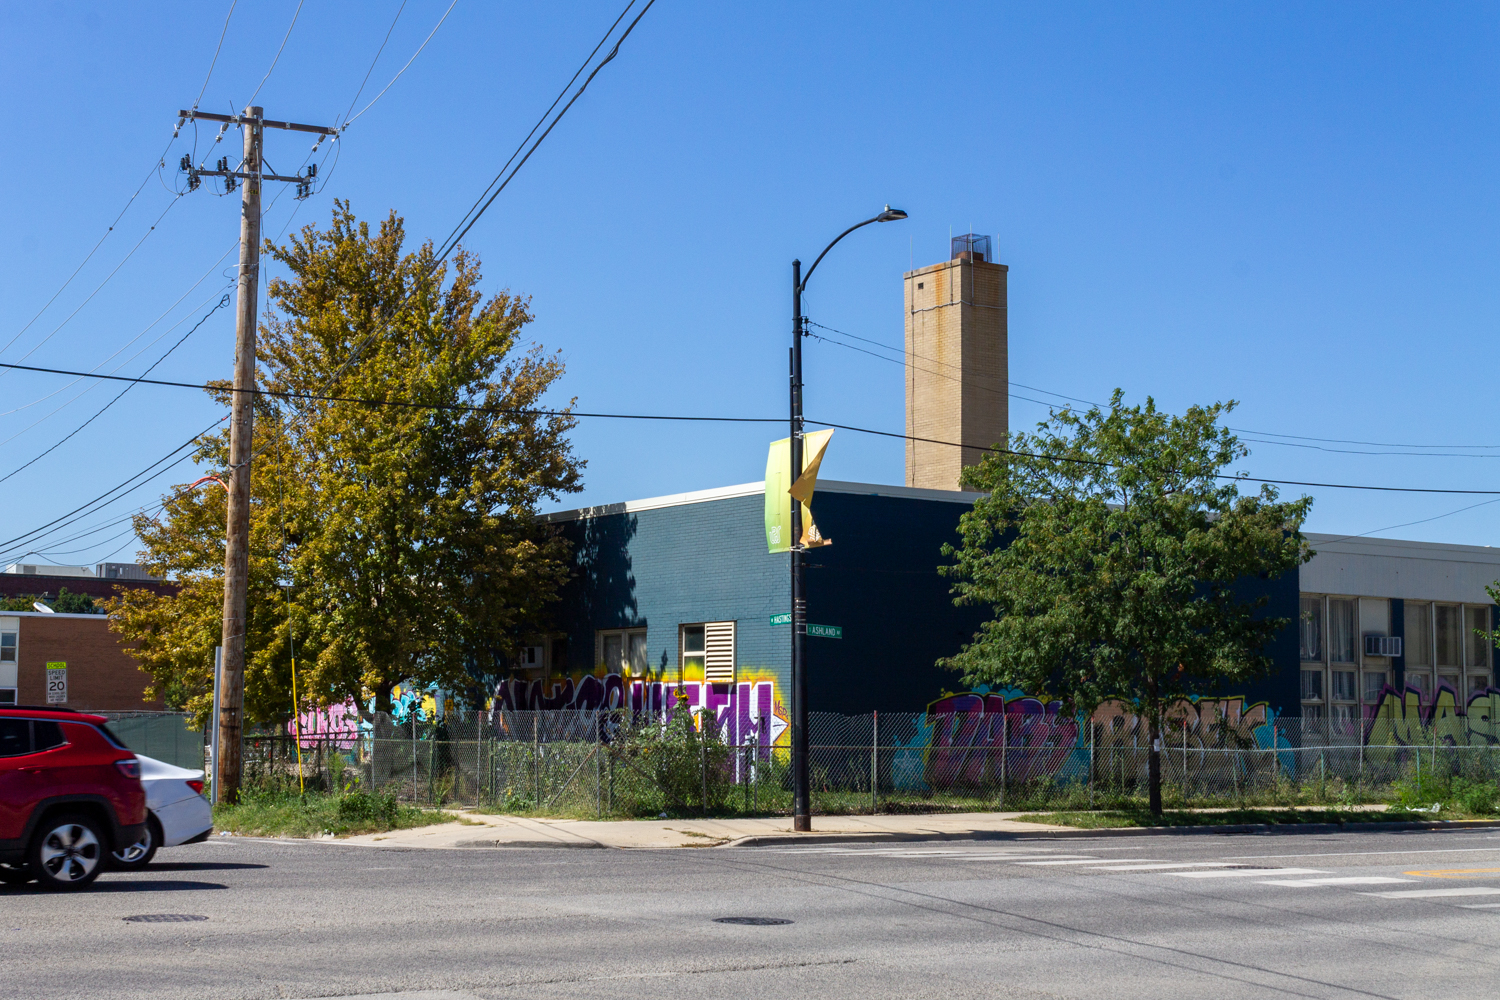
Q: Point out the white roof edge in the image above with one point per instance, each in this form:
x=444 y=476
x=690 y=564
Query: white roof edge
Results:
x=49 y=614
x=757 y=489
x=1404 y=547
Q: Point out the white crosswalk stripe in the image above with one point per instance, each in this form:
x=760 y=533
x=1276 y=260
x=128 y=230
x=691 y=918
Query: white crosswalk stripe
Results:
x=1344 y=880
x=1162 y=865
x=1248 y=872
x=1468 y=890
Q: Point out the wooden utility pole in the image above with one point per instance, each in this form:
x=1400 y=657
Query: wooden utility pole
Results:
x=241 y=433
x=231 y=687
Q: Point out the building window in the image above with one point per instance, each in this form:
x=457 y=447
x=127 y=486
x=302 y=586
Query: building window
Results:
x=622 y=651
x=1341 y=713
x=1477 y=638
x=1312 y=686
x=1374 y=685
x=1478 y=685
x=1420 y=680
x=708 y=650
x=1310 y=630
x=1449 y=644
x=9 y=679
x=1418 y=645
x=1342 y=630
x=1344 y=686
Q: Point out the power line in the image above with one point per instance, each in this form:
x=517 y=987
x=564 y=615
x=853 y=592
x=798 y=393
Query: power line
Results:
x=155 y=168
x=215 y=61
x=473 y=215
x=109 y=495
x=378 y=52
x=526 y=411
x=1101 y=464
x=902 y=351
x=276 y=60
x=1370 y=444
x=403 y=69
x=1077 y=399
x=223 y=301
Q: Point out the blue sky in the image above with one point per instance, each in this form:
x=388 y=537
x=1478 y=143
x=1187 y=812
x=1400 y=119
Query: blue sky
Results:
x=1291 y=205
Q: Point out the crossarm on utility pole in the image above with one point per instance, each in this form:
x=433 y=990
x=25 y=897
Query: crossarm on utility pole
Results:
x=188 y=116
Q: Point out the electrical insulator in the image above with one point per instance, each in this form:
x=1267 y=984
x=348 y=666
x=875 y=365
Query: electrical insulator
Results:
x=223 y=163
x=193 y=182
x=187 y=162
x=312 y=171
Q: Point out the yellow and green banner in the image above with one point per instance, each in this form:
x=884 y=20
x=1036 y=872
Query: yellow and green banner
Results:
x=780 y=490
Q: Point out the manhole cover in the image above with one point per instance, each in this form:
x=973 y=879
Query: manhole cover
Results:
x=165 y=918
x=752 y=921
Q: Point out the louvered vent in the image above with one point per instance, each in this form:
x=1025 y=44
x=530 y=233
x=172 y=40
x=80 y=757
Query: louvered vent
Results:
x=718 y=660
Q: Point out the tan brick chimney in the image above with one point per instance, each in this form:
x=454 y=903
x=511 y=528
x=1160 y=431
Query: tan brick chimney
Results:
x=956 y=371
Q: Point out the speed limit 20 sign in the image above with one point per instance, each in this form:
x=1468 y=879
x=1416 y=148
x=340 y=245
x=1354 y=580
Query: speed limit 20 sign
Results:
x=57 y=683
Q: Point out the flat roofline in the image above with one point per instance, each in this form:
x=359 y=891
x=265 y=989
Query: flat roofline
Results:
x=758 y=489
x=1401 y=548
x=49 y=614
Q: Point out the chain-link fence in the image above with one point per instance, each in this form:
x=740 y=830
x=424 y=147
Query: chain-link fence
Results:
x=613 y=764
x=584 y=763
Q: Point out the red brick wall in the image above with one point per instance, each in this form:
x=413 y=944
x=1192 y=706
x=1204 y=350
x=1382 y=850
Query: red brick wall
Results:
x=102 y=677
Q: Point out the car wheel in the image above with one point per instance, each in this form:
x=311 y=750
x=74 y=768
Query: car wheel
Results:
x=67 y=852
x=139 y=854
x=15 y=874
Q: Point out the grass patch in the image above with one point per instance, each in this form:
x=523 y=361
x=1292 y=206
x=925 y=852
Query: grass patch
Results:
x=1114 y=818
x=277 y=812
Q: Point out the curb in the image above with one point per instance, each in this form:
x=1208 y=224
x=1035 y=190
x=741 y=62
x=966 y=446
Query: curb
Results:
x=1279 y=829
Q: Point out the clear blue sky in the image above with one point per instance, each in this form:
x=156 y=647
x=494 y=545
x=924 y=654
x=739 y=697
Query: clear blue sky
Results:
x=1291 y=205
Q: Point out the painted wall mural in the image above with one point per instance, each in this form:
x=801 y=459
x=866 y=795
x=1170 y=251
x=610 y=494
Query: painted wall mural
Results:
x=744 y=713
x=957 y=738
x=1401 y=718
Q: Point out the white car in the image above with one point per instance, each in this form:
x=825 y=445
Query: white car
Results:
x=176 y=813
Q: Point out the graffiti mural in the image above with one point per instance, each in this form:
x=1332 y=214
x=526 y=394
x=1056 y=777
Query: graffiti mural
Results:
x=1401 y=719
x=986 y=737
x=745 y=712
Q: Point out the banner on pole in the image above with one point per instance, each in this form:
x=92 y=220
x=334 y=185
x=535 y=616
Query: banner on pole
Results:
x=780 y=490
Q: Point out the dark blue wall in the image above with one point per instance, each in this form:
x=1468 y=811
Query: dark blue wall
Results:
x=878 y=581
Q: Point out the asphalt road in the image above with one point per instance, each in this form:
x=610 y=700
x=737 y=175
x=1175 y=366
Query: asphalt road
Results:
x=1350 y=915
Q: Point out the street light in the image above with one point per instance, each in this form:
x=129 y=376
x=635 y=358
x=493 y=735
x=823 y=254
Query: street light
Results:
x=801 y=804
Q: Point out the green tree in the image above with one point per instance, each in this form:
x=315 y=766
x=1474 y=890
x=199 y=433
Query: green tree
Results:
x=394 y=534
x=1112 y=546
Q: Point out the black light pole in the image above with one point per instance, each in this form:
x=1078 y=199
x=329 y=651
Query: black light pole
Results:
x=801 y=798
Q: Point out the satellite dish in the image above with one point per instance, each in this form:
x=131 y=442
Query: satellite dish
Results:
x=42 y=608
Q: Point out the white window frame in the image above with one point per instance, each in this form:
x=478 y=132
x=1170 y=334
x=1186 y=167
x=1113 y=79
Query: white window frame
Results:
x=10 y=669
x=625 y=635
x=719 y=649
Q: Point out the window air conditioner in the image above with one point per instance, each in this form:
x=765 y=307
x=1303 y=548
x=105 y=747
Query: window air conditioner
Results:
x=1382 y=645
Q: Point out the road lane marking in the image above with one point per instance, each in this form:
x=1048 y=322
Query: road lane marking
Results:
x=1070 y=861
x=1155 y=866
x=1479 y=906
x=1347 y=880
x=1456 y=873
x=1362 y=854
x=1251 y=872
x=1473 y=890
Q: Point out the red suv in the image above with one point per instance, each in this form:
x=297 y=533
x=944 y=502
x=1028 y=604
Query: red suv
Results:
x=70 y=793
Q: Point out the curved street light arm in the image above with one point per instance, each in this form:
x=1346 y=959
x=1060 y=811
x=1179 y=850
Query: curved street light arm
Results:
x=803 y=286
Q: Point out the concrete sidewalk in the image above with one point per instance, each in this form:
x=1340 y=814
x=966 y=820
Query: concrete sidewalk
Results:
x=481 y=830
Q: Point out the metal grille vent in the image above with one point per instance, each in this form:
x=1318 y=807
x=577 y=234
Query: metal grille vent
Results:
x=718 y=659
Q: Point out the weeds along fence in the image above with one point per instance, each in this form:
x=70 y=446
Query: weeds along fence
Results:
x=585 y=763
